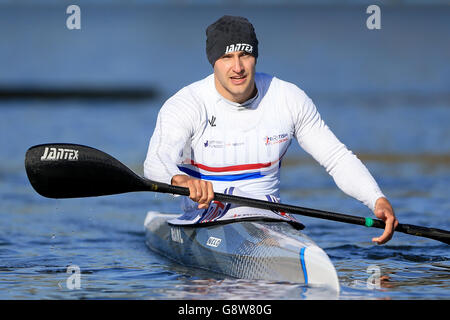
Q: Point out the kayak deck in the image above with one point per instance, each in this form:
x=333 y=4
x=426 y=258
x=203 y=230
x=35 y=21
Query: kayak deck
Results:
x=269 y=250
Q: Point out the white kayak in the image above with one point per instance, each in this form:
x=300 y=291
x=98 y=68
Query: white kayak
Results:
x=247 y=249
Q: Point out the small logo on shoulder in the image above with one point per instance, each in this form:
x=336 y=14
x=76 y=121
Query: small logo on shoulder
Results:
x=53 y=154
x=212 y=121
x=213 y=242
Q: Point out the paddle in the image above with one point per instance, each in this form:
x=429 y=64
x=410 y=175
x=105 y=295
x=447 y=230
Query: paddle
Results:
x=73 y=171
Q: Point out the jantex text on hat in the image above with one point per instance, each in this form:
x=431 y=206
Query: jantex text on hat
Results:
x=239 y=47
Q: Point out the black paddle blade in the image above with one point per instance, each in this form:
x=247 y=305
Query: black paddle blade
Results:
x=72 y=171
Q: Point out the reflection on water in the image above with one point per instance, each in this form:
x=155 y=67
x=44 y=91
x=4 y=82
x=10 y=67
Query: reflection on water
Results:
x=238 y=289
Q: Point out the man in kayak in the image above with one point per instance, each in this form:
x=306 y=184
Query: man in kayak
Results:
x=232 y=129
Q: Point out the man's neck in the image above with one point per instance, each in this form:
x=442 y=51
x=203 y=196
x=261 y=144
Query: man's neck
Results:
x=236 y=99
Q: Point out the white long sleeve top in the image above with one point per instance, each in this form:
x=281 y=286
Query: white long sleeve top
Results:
x=200 y=133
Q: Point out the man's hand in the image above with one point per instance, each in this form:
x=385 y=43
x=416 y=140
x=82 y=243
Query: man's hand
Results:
x=201 y=191
x=383 y=210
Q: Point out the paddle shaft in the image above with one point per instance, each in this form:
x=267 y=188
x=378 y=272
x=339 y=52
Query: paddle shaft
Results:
x=75 y=171
x=432 y=233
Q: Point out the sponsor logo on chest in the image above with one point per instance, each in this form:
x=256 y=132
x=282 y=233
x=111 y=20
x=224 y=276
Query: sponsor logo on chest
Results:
x=221 y=144
x=276 y=138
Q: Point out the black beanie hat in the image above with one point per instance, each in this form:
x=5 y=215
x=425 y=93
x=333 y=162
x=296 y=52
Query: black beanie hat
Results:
x=229 y=34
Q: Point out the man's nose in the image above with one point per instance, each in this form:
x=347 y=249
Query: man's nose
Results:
x=237 y=65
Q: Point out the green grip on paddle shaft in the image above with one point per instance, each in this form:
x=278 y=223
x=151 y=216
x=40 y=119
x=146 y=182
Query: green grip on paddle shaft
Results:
x=369 y=222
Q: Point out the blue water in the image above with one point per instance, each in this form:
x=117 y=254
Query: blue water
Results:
x=104 y=236
x=386 y=98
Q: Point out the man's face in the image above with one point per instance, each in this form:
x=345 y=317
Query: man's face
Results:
x=234 y=76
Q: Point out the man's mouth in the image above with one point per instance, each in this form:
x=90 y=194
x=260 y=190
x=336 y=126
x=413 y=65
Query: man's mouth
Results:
x=238 y=79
